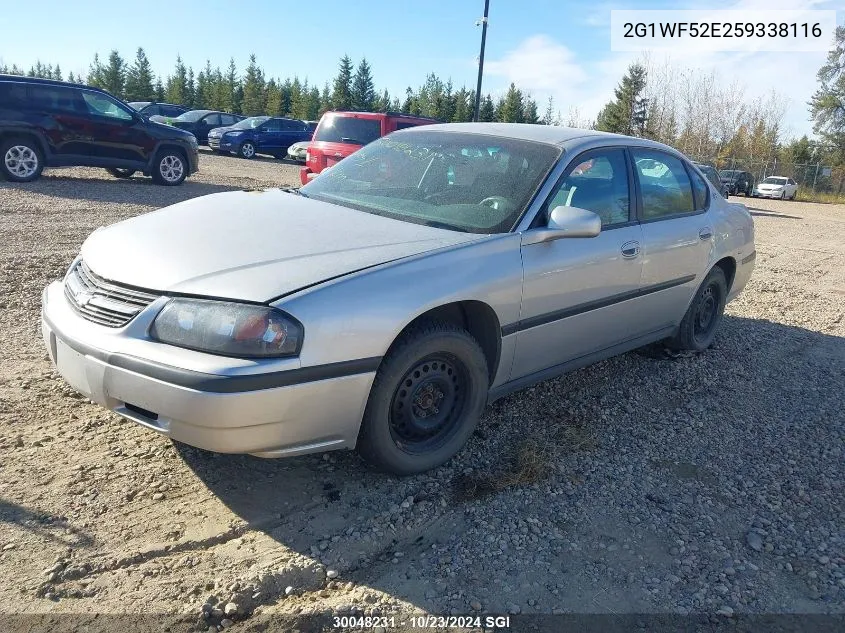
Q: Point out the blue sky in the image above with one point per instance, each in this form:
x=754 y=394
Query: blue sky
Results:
x=550 y=47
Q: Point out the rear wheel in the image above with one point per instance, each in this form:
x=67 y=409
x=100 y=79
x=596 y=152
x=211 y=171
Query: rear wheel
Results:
x=698 y=328
x=246 y=150
x=425 y=401
x=170 y=167
x=119 y=172
x=21 y=160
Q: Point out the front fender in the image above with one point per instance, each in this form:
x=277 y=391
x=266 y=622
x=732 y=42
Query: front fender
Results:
x=361 y=314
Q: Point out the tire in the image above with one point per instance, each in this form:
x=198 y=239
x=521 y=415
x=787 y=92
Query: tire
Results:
x=170 y=167
x=783 y=195
x=119 y=172
x=407 y=428
x=21 y=159
x=748 y=191
x=698 y=328
x=246 y=150
x=794 y=193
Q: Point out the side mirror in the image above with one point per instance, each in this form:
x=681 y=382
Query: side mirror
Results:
x=565 y=222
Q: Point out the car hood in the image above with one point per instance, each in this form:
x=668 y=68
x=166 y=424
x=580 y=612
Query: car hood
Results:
x=252 y=246
x=768 y=185
x=218 y=131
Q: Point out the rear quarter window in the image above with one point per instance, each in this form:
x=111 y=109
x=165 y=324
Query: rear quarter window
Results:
x=12 y=95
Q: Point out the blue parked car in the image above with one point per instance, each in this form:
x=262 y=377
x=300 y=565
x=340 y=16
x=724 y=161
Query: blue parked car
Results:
x=259 y=135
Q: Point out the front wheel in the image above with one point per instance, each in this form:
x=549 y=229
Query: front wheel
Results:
x=119 y=172
x=698 y=328
x=170 y=168
x=426 y=399
x=246 y=150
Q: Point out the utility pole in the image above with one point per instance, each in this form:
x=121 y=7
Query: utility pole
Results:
x=483 y=22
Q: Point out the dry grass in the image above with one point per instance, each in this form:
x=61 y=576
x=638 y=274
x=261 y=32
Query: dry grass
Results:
x=818 y=196
x=532 y=460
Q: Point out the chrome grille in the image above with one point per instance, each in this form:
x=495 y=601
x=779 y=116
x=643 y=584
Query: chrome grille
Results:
x=103 y=302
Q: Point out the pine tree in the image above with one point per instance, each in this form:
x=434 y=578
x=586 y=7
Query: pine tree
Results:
x=827 y=106
x=177 y=90
x=159 y=90
x=313 y=112
x=342 y=90
x=114 y=74
x=190 y=89
x=549 y=115
x=95 y=73
x=487 y=111
x=363 y=90
x=231 y=95
x=529 y=106
x=626 y=114
x=139 y=79
x=273 y=99
x=57 y=73
x=253 y=89
x=511 y=108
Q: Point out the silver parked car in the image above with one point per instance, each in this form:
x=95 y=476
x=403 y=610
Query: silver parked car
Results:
x=383 y=305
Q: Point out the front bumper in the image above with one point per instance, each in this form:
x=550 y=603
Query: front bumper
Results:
x=220 y=143
x=106 y=365
x=768 y=194
x=306 y=175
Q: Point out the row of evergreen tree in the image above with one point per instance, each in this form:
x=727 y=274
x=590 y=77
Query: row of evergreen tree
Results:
x=253 y=93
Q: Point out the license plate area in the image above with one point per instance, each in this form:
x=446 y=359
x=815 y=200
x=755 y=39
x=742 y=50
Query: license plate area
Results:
x=71 y=365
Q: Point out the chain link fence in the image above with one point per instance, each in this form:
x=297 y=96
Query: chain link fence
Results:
x=815 y=181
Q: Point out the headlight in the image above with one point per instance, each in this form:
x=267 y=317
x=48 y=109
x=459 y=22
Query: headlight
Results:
x=228 y=329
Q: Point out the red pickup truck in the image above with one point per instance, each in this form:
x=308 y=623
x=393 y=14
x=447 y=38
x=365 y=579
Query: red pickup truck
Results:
x=340 y=134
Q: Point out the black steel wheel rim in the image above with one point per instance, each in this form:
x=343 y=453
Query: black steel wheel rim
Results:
x=429 y=403
x=707 y=312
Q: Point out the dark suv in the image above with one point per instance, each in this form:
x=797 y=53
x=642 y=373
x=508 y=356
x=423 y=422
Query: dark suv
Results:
x=155 y=108
x=737 y=181
x=46 y=123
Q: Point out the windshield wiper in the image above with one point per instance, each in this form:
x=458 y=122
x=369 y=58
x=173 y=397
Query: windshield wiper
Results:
x=293 y=190
x=345 y=139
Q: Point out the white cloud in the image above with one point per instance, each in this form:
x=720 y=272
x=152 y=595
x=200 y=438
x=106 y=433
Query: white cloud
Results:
x=538 y=64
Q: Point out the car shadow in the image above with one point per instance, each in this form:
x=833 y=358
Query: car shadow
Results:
x=137 y=190
x=766 y=213
x=50 y=527
x=259 y=158
x=336 y=509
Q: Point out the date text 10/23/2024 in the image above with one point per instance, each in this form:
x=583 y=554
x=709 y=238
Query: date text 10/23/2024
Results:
x=366 y=623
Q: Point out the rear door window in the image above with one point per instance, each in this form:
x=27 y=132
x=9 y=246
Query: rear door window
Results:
x=664 y=184
x=227 y=119
x=699 y=189
x=212 y=119
x=345 y=129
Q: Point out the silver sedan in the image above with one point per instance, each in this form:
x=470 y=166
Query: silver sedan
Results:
x=383 y=305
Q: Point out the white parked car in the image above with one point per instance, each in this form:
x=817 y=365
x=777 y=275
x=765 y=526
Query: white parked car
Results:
x=777 y=187
x=297 y=151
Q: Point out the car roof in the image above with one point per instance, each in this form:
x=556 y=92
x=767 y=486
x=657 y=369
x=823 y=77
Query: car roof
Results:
x=51 y=82
x=551 y=134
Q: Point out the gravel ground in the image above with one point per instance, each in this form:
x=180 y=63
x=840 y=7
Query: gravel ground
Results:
x=643 y=484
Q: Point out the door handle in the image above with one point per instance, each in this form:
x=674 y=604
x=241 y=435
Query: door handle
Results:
x=705 y=234
x=630 y=249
